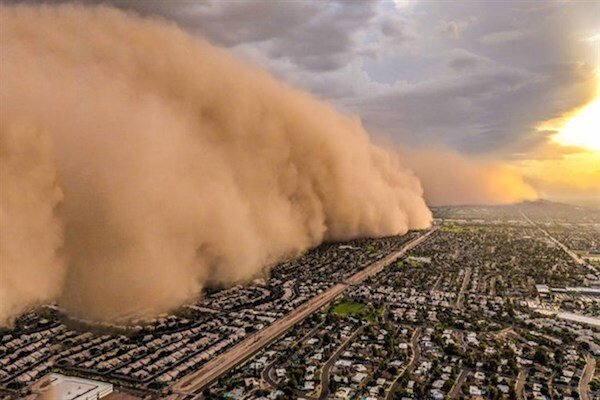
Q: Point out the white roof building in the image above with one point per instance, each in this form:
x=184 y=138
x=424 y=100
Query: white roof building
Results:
x=62 y=387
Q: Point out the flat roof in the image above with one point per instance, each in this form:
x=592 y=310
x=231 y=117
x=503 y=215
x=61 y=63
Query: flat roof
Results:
x=63 y=387
x=579 y=318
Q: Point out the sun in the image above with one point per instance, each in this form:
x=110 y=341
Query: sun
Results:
x=583 y=129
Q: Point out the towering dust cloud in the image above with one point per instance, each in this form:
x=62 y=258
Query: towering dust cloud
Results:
x=139 y=163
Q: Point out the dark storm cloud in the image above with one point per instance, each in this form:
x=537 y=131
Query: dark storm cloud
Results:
x=483 y=110
x=327 y=41
x=313 y=35
x=512 y=66
x=467 y=74
x=458 y=101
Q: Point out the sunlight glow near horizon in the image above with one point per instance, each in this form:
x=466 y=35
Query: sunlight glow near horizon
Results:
x=575 y=166
x=583 y=129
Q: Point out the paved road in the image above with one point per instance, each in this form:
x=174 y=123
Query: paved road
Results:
x=521 y=382
x=416 y=353
x=222 y=363
x=586 y=377
x=493 y=286
x=463 y=287
x=571 y=253
x=324 y=391
x=460 y=379
x=437 y=282
x=504 y=332
x=590 y=366
x=268 y=373
x=551 y=385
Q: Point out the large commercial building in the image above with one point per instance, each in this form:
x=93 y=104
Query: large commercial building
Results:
x=61 y=387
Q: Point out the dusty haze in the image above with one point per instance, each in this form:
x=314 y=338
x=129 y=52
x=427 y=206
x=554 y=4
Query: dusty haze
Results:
x=449 y=178
x=139 y=163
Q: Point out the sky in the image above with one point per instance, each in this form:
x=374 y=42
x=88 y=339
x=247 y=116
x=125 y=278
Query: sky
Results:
x=492 y=80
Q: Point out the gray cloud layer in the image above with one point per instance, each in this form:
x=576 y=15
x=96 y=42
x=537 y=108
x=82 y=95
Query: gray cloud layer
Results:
x=469 y=74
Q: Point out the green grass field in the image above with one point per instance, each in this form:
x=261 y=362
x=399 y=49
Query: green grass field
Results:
x=355 y=309
x=449 y=227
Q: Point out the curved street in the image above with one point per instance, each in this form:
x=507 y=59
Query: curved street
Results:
x=586 y=377
x=324 y=387
x=460 y=379
x=416 y=353
x=267 y=374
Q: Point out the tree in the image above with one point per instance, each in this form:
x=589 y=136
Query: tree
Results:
x=288 y=391
x=447 y=386
x=540 y=357
x=585 y=346
x=559 y=356
x=492 y=364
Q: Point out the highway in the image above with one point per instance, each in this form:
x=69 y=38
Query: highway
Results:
x=239 y=353
x=570 y=252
